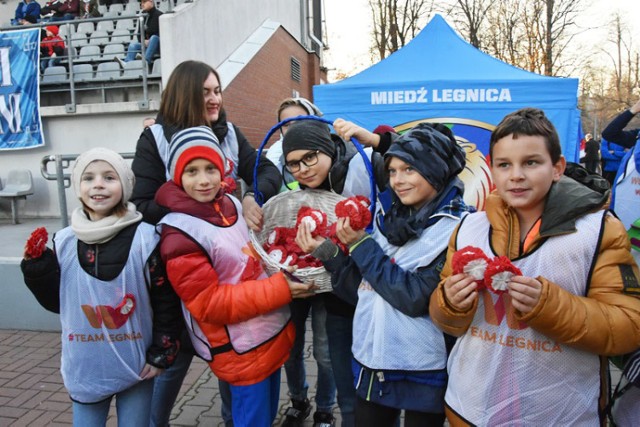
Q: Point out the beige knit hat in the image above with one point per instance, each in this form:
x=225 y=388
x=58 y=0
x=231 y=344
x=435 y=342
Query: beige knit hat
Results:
x=121 y=167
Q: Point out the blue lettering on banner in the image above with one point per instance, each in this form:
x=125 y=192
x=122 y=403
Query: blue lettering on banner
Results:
x=20 y=124
x=423 y=96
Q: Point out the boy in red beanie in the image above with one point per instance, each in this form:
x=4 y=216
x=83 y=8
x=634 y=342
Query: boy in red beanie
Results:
x=237 y=317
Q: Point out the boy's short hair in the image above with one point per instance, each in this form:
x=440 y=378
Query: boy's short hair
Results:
x=531 y=122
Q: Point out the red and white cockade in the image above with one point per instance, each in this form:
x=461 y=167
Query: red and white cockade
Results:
x=281 y=246
x=493 y=274
x=472 y=261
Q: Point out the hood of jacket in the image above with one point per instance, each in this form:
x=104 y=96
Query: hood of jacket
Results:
x=567 y=201
x=340 y=166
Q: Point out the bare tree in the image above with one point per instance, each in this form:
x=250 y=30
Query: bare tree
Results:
x=624 y=62
x=470 y=16
x=560 y=18
x=605 y=91
x=531 y=34
x=396 y=22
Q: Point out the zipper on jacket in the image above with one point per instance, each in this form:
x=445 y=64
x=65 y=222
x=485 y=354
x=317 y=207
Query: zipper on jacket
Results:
x=370 y=386
x=96 y=263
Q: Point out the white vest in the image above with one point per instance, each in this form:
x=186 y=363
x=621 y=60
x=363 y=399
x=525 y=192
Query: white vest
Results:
x=229 y=146
x=386 y=339
x=503 y=373
x=224 y=247
x=104 y=346
x=357 y=180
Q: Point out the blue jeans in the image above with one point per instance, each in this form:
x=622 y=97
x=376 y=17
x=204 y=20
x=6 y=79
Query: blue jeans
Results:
x=149 y=53
x=294 y=367
x=256 y=405
x=133 y=407
x=65 y=17
x=48 y=61
x=340 y=334
x=167 y=386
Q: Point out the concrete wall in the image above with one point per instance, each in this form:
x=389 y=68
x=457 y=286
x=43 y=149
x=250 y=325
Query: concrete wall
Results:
x=20 y=310
x=116 y=126
x=222 y=25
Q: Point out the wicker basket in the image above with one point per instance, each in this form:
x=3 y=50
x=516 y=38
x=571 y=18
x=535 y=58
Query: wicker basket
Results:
x=282 y=211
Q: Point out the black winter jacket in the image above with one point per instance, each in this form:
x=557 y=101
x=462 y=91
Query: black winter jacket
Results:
x=151 y=24
x=42 y=277
x=614 y=131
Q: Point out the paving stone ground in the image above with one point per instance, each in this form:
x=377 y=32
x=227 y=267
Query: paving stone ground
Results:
x=32 y=393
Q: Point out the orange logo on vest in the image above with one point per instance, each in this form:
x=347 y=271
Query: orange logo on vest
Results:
x=113 y=318
x=495 y=312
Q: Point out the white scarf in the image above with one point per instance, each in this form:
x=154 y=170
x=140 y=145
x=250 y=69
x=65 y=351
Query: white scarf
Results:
x=102 y=230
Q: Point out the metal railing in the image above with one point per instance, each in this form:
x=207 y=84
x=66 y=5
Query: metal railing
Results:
x=73 y=58
x=62 y=178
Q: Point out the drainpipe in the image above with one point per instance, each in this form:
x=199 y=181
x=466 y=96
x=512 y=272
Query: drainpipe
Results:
x=310 y=27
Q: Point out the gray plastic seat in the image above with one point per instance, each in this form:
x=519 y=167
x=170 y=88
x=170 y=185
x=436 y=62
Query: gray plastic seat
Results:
x=113 y=50
x=132 y=8
x=156 y=70
x=125 y=24
x=99 y=37
x=79 y=40
x=116 y=7
x=108 y=71
x=89 y=53
x=82 y=72
x=121 y=35
x=85 y=28
x=19 y=186
x=105 y=26
x=111 y=14
x=53 y=75
x=66 y=30
x=132 y=69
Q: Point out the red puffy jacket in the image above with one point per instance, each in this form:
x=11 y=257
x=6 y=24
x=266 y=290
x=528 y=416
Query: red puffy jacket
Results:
x=215 y=305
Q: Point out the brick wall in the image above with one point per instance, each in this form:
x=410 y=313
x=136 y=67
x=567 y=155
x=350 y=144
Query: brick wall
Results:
x=252 y=99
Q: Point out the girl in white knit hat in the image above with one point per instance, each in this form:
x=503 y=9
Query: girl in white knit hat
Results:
x=106 y=279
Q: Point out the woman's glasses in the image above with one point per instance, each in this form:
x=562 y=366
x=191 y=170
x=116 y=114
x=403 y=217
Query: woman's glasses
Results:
x=309 y=159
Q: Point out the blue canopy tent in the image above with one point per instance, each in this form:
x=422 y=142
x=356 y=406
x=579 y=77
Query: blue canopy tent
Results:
x=438 y=76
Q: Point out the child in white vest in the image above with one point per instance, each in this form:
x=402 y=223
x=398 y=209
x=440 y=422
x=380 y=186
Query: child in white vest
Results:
x=238 y=317
x=533 y=352
x=117 y=310
x=400 y=355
